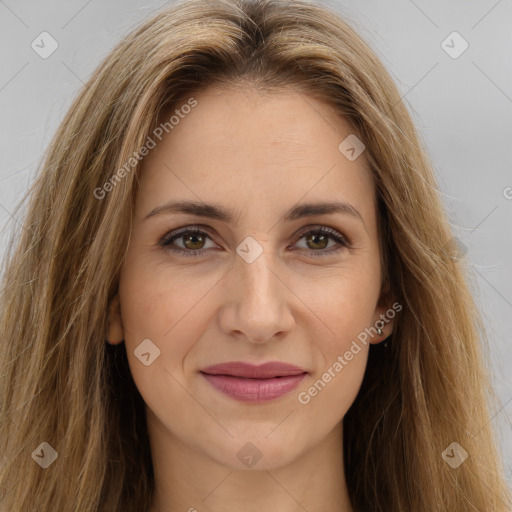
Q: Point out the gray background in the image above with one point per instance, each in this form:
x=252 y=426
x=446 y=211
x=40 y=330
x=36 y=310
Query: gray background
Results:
x=462 y=107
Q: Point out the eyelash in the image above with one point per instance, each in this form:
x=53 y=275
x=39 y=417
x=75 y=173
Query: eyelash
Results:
x=168 y=238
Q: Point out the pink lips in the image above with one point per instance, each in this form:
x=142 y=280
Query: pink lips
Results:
x=249 y=383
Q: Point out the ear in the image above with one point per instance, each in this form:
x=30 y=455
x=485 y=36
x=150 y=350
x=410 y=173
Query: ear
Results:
x=115 y=325
x=385 y=312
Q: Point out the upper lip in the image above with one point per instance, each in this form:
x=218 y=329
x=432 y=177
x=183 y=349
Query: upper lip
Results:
x=262 y=371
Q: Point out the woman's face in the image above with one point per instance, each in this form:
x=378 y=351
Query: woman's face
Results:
x=257 y=283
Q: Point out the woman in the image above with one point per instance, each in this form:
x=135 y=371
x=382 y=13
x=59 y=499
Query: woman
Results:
x=236 y=287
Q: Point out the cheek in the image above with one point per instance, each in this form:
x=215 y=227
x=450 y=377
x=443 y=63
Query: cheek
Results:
x=155 y=307
x=345 y=307
x=331 y=393
x=343 y=301
x=164 y=305
x=146 y=310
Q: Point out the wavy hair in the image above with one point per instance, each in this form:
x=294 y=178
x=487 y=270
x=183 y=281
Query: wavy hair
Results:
x=62 y=384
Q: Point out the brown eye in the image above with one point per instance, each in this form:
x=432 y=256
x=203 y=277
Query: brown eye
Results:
x=317 y=241
x=192 y=241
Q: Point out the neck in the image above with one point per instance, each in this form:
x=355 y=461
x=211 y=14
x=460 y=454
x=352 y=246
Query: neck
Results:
x=189 y=481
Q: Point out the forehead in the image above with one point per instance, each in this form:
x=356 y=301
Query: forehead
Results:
x=255 y=148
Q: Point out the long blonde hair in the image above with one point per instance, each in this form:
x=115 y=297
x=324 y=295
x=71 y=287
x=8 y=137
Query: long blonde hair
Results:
x=62 y=384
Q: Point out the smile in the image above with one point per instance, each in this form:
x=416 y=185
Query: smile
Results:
x=249 y=383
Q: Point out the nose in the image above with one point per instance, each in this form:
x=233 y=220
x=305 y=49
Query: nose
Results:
x=257 y=301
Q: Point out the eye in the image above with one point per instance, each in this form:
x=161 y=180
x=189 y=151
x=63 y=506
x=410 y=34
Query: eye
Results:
x=193 y=240
x=317 y=240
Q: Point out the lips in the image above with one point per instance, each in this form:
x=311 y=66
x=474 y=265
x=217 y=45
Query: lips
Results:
x=263 y=371
x=249 y=383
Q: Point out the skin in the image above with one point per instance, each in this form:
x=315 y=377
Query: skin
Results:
x=259 y=155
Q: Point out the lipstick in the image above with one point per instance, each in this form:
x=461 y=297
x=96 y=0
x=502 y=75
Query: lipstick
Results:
x=249 y=383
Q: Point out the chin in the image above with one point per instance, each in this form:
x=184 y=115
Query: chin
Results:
x=257 y=452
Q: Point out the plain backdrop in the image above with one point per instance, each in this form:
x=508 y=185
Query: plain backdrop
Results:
x=460 y=100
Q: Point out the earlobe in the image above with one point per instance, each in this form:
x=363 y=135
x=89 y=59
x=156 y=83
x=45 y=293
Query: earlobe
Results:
x=115 y=334
x=385 y=313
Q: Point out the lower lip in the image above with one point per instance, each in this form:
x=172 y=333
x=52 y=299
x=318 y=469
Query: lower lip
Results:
x=254 y=390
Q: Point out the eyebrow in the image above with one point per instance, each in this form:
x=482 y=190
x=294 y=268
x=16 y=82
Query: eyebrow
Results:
x=222 y=214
